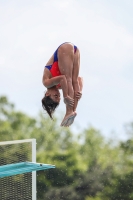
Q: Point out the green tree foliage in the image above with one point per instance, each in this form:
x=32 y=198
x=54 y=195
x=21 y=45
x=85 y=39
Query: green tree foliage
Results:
x=87 y=166
x=120 y=186
x=14 y=124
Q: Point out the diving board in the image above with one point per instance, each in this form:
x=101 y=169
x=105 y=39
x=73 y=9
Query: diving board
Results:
x=19 y=181
x=17 y=151
x=22 y=167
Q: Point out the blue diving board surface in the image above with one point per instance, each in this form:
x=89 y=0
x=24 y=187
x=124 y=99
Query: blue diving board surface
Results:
x=22 y=167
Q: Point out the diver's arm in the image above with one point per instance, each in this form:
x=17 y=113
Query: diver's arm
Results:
x=78 y=86
x=48 y=83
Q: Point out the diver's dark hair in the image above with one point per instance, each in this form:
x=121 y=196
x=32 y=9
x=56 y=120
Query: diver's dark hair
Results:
x=49 y=105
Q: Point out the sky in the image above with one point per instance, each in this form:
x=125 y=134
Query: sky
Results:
x=30 y=31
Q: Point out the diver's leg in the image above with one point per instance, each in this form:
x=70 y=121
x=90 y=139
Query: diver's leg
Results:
x=65 y=62
x=75 y=74
x=75 y=82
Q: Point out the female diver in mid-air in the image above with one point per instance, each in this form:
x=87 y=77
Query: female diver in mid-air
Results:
x=61 y=72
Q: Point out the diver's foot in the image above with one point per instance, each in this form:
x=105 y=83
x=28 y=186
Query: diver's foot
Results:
x=66 y=118
x=70 y=120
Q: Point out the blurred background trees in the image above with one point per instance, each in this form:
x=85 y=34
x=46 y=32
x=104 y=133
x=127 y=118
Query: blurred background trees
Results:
x=88 y=167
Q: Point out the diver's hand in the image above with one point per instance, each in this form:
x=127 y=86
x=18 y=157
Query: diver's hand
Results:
x=69 y=101
x=78 y=95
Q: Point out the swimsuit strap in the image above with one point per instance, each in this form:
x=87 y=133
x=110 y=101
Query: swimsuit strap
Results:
x=75 y=49
x=48 y=67
x=55 y=55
